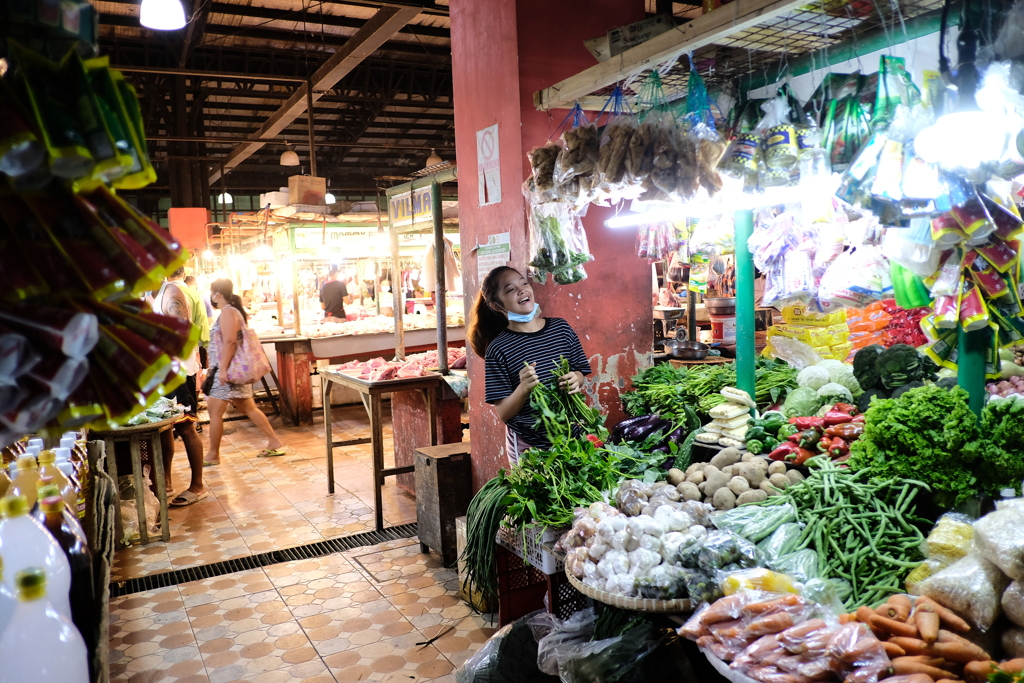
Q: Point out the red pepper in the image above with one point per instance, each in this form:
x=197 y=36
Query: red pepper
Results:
x=836 y=417
x=806 y=438
x=858 y=419
x=596 y=441
x=847 y=408
x=803 y=455
x=838 y=448
x=824 y=444
x=784 y=449
x=848 y=431
x=804 y=423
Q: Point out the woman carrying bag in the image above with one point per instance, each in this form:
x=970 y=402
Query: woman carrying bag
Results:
x=236 y=361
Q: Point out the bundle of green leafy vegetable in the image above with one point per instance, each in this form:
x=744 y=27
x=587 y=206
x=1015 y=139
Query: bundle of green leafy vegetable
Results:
x=562 y=415
x=1000 y=448
x=555 y=255
x=925 y=435
x=666 y=391
x=547 y=486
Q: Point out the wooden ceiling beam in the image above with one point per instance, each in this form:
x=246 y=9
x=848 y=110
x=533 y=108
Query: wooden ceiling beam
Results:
x=384 y=24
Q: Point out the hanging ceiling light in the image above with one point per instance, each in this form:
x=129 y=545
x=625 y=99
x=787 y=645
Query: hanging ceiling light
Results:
x=289 y=157
x=433 y=159
x=162 y=15
x=225 y=198
x=329 y=198
x=208 y=253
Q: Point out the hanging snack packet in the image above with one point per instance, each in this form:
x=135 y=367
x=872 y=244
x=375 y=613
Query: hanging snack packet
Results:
x=60 y=375
x=83 y=408
x=1008 y=223
x=973 y=313
x=946 y=230
x=1001 y=254
x=71 y=333
x=139 y=267
x=175 y=336
x=157 y=241
x=985 y=276
x=130 y=101
x=138 y=172
x=21 y=152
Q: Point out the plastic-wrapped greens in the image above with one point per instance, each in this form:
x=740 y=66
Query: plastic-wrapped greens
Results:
x=999 y=536
x=972 y=587
x=753 y=522
x=665 y=582
x=1013 y=602
x=724 y=550
x=783 y=541
x=802 y=565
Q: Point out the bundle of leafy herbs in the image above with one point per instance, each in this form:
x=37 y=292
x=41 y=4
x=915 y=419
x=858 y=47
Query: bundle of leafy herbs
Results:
x=1000 y=463
x=547 y=486
x=562 y=415
x=665 y=390
x=483 y=519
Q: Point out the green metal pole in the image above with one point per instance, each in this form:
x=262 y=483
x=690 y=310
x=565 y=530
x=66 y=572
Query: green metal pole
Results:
x=745 y=349
x=971 y=352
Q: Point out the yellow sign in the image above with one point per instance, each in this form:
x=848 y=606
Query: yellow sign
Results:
x=410 y=207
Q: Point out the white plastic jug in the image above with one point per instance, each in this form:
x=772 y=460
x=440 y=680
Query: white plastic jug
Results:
x=25 y=543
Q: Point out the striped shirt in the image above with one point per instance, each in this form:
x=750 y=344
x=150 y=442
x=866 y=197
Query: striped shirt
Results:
x=510 y=350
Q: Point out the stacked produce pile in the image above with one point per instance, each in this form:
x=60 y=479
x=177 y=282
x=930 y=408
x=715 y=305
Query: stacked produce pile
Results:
x=730 y=419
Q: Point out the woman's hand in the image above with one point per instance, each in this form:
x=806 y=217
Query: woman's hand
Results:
x=572 y=383
x=528 y=378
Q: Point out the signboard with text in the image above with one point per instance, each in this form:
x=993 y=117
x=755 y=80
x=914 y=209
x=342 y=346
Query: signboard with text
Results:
x=411 y=207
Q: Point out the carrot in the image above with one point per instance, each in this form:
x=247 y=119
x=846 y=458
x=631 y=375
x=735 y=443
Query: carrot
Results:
x=927 y=620
x=947 y=680
x=909 y=678
x=947 y=616
x=960 y=653
x=847 y=618
x=902 y=666
x=913 y=646
x=977 y=672
x=723 y=610
x=771 y=623
x=891 y=626
x=937 y=662
x=1013 y=666
x=864 y=614
x=756 y=608
x=893 y=650
x=897 y=607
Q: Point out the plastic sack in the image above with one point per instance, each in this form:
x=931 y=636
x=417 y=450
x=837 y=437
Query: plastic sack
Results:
x=722 y=550
x=951 y=539
x=802 y=565
x=757 y=579
x=1013 y=642
x=558 y=243
x=855 y=279
x=795 y=352
x=640 y=655
x=542 y=165
x=510 y=656
x=922 y=572
x=781 y=542
x=859 y=653
x=558 y=639
x=999 y=537
x=829 y=593
x=971 y=587
x=1013 y=602
x=611 y=159
x=753 y=522
x=723 y=609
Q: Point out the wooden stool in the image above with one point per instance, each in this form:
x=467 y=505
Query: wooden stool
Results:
x=134 y=436
x=444 y=487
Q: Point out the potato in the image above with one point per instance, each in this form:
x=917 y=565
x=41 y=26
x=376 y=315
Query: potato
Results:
x=696 y=467
x=724 y=499
x=763 y=463
x=752 y=473
x=767 y=487
x=739 y=485
x=701 y=486
x=749 y=457
x=676 y=476
x=752 y=496
x=794 y=476
x=707 y=501
x=709 y=470
x=780 y=481
x=696 y=478
x=730 y=471
x=689 y=491
x=776 y=467
x=726 y=457
x=715 y=481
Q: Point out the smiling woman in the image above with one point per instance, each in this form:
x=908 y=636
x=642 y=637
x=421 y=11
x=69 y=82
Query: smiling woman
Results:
x=521 y=349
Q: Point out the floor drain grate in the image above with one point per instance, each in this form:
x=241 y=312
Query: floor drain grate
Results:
x=240 y=564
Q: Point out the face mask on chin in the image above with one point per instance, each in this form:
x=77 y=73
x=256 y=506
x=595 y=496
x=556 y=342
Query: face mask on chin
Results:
x=521 y=317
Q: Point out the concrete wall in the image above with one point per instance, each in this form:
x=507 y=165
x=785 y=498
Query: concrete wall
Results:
x=503 y=51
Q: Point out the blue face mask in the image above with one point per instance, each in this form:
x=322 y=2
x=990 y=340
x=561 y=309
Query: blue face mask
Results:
x=523 y=318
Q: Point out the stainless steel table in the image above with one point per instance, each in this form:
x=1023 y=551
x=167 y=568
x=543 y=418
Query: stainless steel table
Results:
x=371 y=394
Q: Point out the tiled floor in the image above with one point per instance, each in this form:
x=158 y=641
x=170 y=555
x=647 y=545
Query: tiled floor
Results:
x=381 y=613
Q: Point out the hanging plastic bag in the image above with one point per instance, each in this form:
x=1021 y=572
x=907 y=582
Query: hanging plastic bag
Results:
x=542 y=165
x=855 y=279
x=558 y=243
x=510 y=656
x=642 y=654
x=557 y=639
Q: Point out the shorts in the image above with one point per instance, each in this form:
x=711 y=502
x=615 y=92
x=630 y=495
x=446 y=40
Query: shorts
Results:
x=188 y=397
x=514 y=446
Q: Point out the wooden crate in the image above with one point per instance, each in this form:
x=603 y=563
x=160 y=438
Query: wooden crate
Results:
x=444 y=487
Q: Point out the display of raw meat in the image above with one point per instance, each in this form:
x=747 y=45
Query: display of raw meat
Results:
x=384 y=373
x=416 y=365
x=410 y=370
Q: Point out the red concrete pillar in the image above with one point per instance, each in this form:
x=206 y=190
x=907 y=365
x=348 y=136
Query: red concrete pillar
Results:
x=411 y=429
x=503 y=51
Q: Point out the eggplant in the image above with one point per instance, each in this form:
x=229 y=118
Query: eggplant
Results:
x=639 y=428
x=678 y=436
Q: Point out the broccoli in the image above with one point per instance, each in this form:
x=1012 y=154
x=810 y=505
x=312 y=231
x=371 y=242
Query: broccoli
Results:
x=898 y=365
x=929 y=370
x=864 y=402
x=906 y=387
x=864 y=366
x=947 y=383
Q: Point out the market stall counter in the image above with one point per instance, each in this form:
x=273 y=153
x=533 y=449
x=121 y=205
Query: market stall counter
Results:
x=371 y=393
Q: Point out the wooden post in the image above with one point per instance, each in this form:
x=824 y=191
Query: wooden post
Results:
x=440 y=292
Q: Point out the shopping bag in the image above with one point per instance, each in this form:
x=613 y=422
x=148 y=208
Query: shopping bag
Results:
x=250 y=363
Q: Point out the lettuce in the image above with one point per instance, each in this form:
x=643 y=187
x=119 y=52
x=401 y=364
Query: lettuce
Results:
x=801 y=401
x=813 y=377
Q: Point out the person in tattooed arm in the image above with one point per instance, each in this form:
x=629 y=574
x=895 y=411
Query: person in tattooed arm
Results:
x=520 y=348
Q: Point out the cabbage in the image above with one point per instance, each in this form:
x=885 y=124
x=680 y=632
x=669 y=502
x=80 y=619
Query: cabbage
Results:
x=830 y=364
x=813 y=377
x=802 y=401
x=843 y=374
x=834 y=392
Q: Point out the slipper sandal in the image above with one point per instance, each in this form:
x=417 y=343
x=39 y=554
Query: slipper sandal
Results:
x=187 y=498
x=210 y=464
x=267 y=453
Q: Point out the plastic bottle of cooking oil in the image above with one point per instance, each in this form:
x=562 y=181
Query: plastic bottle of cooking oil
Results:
x=5 y=483
x=7 y=601
x=65 y=530
x=48 y=468
x=40 y=644
x=47 y=489
x=26 y=479
x=25 y=543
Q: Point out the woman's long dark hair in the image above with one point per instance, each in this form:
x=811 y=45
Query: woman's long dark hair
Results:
x=224 y=287
x=486 y=323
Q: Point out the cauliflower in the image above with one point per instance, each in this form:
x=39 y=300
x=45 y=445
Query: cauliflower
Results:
x=813 y=377
x=833 y=393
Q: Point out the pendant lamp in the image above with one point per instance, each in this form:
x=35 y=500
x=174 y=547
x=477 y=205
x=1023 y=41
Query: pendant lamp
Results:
x=162 y=15
x=433 y=159
x=289 y=157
